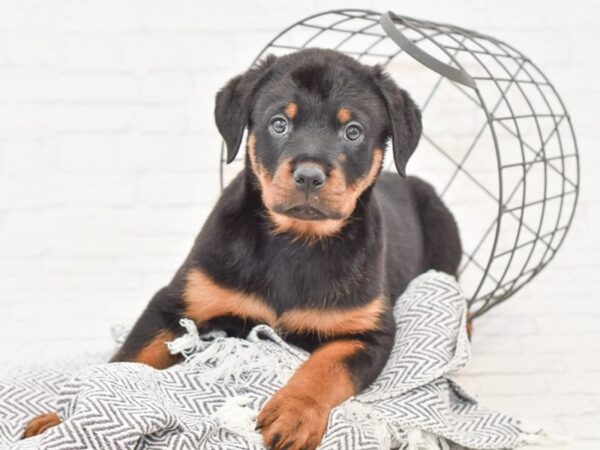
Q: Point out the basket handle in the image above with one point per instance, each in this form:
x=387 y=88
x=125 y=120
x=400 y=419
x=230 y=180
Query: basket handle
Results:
x=424 y=58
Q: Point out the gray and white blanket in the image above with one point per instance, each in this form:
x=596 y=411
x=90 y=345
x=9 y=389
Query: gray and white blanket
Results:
x=211 y=400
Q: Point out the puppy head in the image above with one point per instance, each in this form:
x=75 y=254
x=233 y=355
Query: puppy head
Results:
x=318 y=122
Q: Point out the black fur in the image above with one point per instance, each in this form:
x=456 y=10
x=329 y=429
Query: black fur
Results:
x=398 y=229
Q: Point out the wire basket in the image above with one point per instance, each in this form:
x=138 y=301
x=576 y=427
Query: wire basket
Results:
x=498 y=143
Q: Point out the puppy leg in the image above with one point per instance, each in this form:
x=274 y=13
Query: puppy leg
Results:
x=296 y=416
x=158 y=324
x=40 y=424
x=145 y=344
x=443 y=248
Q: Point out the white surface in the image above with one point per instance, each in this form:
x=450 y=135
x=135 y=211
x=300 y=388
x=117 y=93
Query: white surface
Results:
x=108 y=158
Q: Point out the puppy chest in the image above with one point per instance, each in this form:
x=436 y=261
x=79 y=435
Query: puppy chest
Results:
x=206 y=301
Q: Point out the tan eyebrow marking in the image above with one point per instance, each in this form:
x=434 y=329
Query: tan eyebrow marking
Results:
x=291 y=110
x=344 y=115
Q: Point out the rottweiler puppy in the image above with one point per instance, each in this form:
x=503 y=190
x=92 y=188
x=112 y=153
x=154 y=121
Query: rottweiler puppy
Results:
x=310 y=238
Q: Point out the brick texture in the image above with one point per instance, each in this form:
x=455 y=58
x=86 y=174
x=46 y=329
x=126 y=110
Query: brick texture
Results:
x=109 y=159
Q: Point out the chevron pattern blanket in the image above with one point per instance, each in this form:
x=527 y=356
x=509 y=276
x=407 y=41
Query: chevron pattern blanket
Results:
x=211 y=400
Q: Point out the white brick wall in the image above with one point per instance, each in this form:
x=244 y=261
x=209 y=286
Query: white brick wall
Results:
x=108 y=159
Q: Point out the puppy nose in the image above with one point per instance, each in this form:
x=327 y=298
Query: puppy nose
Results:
x=309 y=177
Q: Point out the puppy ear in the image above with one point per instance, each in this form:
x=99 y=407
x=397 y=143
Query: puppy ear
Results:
x=233 y=103
x=405 y=119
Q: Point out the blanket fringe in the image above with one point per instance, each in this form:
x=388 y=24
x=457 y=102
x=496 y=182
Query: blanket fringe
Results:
x=237 y=416
x=192 y=342
x=389 y=436
x=361 y=415
x=231 y=359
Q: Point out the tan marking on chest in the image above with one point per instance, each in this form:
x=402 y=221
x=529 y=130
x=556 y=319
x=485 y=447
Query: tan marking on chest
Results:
x=206 y=300
x=334 y=322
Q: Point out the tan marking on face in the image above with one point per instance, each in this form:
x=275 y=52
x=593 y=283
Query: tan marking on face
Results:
x=276 y=190
x=335 y=195
x=342 y=197
x=328 y=323
x=344 y=115
x=283 y=182
x=155 y=353
x=204 y=300
x=291 y=110
x=300 y=410
x=306 y=230
x=356 y=189
x=273 y=189
x=261 y=173
x=343 y=157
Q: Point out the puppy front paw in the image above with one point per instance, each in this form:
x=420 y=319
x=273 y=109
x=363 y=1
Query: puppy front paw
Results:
x=293 y=421
x=40 y=424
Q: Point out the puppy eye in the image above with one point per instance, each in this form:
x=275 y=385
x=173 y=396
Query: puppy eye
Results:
x=353 y=132
x=279 y=125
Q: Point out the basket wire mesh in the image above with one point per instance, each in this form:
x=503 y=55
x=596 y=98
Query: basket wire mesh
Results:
x=498 y=143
